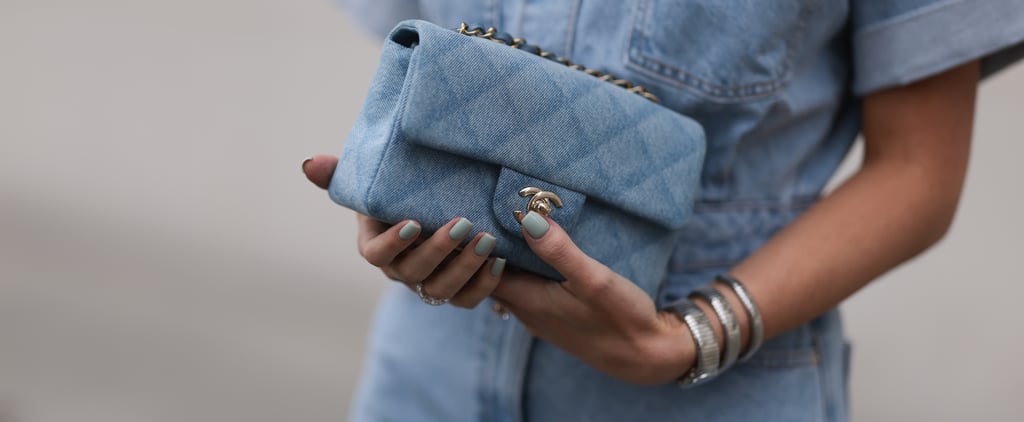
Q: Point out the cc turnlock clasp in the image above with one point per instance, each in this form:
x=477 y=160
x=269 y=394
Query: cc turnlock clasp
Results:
x=542 y=202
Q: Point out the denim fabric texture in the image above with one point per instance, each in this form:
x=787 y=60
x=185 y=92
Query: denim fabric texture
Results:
x=457 y=125
x=776 y=87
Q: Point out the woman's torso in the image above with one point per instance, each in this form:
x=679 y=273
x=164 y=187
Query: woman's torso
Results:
x=769 y=83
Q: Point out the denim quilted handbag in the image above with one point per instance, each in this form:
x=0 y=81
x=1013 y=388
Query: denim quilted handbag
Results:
x=458 y=125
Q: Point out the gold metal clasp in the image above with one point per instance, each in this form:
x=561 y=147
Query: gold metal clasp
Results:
x=542 y=202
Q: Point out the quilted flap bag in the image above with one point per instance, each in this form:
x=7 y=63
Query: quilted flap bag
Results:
x=477 y=124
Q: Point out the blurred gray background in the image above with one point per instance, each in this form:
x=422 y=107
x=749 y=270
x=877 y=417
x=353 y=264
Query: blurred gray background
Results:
x=163 y=259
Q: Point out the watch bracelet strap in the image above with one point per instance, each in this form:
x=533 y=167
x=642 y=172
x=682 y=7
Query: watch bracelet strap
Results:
x=756 y=322
x=708 y=353
x=729 y=322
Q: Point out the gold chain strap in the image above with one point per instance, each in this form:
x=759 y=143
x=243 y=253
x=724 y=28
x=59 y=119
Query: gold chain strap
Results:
x=492 y=34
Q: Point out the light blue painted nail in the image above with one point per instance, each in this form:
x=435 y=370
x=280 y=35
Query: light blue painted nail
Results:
x=497 y=267
x=535 y=224
x=409 y=230
x=461 y=229
x=484 y=245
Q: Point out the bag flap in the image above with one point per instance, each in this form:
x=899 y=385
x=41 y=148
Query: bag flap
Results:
x=507 y=200
x=494 y=103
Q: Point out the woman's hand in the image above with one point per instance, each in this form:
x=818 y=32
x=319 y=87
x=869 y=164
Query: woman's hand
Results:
x=595 y=314
x=464 y=277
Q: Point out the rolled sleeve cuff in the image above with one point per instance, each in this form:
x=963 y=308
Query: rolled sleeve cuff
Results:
x=933 y=39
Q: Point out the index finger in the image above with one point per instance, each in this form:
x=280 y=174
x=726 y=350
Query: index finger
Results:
x=369 y=229
x=380 y=245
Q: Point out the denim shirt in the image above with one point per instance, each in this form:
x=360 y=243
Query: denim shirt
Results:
x=777 y=88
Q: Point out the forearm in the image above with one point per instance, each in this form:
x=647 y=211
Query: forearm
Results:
x=898 y=204
x=881 y=217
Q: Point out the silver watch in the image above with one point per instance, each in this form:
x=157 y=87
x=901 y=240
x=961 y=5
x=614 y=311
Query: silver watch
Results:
x=704 y=337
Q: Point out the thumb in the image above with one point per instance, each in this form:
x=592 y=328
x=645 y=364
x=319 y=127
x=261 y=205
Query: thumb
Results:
x=552 y=245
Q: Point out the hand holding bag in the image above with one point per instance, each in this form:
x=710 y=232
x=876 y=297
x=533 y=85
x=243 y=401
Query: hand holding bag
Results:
x=458 y=125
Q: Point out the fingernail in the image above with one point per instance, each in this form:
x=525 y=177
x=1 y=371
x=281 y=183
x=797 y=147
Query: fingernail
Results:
x=535 y=224
x=409 y=230
x=484 y=245
x=497 y=267
x=308 y=159
x=461 y=229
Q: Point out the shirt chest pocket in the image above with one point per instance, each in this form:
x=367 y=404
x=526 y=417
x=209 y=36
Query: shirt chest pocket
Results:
x=729 y=50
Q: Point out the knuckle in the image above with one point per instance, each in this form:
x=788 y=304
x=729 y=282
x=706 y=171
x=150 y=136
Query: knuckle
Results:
x=416 y=274
x=402 y=274
x=473 y=303
x=469 y=272
x=559 y=255
x=438 y=287
x=471 y=297
x=445 y=291
x=486 y=284
x=596 y=286
x=373 y=255
x=460 y=302
x=376 y=261
x=390 y=274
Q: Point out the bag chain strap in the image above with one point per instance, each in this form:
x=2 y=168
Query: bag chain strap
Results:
x=500 y=37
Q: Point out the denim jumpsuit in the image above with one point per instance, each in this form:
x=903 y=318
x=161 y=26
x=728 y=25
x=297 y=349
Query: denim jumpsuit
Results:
x=777 y=87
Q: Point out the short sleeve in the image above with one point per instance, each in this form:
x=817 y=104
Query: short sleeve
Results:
x=379 y=17
x=896 y=42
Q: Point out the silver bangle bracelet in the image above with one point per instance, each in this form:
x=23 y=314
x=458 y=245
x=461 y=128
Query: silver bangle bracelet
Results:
x=756 y=323
x=704 y=337
x=730 y=325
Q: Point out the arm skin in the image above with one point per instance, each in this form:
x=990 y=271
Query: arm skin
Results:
x=898 y=204
x=901 y=201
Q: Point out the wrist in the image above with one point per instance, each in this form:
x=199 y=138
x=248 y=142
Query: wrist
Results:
x=681 y=354
x=742 y=318
x=681 y=341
